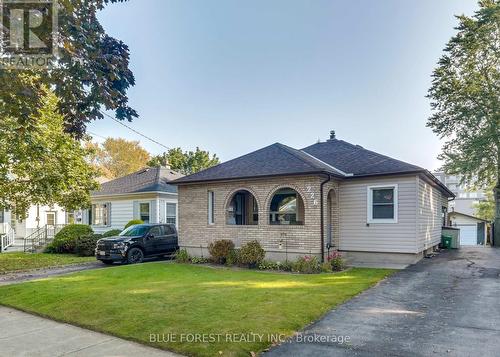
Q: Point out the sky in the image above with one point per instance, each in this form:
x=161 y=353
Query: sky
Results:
x=233 y=76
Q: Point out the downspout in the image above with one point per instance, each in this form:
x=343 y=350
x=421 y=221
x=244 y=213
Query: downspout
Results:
x=322 y=220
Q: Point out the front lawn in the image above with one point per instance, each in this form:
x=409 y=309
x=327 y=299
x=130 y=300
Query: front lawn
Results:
x=15 y=262
x=172 y=301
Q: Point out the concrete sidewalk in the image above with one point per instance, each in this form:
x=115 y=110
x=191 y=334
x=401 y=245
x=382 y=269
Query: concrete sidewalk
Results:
x=22 y=334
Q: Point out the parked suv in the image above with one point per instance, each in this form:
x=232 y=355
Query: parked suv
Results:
x=137 y=242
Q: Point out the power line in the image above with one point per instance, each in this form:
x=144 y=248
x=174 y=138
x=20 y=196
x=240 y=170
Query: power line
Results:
x=135 y=131
x=94 y=134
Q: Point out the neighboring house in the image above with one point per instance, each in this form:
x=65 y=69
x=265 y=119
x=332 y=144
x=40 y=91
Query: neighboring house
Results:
x=146 y=194
x=473 y=230
x=330 y=195
x=465 y=197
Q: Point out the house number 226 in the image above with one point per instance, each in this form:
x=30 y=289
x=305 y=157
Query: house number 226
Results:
x=311 y=195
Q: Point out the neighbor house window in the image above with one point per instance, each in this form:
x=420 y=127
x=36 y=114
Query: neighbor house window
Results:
x=383 y=204
x=211 y=206
x=144 y=214
x=286 y=207
x=100 y=214
x=51 y=218
x=172 y=213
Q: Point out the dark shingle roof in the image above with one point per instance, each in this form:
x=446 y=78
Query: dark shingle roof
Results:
x=354 y=159
x=146 y=180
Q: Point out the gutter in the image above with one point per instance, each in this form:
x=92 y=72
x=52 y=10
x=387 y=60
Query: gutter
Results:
x=322 y=219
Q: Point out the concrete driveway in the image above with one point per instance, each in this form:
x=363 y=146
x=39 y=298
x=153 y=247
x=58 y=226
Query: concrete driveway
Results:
x=447 y=305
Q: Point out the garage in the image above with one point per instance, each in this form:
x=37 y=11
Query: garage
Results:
x=472 y=229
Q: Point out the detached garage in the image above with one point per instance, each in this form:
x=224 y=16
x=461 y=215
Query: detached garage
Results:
x=472 y=229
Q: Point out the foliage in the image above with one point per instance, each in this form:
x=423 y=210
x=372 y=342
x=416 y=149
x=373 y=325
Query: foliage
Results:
x=270 y=265
x=14 y=262
x=219 y=250
x=65 y=240
x=233 y=258
x=326 y=267
x=199 y=260
x=91 y=72
x=43 y=165
x=117 y=157
x=112 y=233
x=85 y=245
x=465 y=96
x=336 y=261
x=251 y=254
x=485 y=210
x=307 y=265
x=184 y=297
x=133 y=222
x=182 y=256
x=185 y=162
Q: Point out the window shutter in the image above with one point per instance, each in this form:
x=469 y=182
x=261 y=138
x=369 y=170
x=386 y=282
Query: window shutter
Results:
x=108 y=205
x=153 y=217
x=135 y=210
x=162 y=211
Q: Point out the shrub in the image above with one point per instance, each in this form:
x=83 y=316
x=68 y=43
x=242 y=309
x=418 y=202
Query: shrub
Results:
x=182 y=256
x=220 y=249
x=112 y=233
x=336 y=261
x=65 y=240
x=134 y=222
x=85 y=245
x=326 y=267
x=307 y=265
x=199 y=260
x=251 y=254
x=233 y=257
x=269 y=265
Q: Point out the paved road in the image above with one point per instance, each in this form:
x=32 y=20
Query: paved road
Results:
x=448 y=305
x=22 y=334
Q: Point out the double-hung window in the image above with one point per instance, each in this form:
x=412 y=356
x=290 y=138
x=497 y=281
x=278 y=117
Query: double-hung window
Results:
x=100 y=214
x=382 y=204
x=144 y=212
x=171 y=213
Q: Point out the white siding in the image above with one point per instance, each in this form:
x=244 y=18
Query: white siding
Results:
x=429 y=215
x=357 y=235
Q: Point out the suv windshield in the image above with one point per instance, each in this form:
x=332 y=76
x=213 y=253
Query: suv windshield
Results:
x=133 y=231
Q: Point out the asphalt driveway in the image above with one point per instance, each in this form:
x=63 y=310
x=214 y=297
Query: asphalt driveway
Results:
x=447 y=305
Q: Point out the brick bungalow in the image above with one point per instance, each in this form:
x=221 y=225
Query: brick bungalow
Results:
x=330 y=195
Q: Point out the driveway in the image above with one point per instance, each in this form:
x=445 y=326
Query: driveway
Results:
x=446 y=305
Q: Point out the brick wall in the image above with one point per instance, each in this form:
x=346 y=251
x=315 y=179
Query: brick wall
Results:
x=278 y=240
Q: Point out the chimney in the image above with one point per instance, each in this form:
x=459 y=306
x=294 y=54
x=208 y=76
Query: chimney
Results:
x=332 y=134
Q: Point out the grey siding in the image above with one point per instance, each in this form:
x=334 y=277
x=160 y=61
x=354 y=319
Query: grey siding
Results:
x=429 y=219
x=357 y=235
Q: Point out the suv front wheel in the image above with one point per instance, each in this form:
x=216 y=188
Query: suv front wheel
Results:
x=135 y=255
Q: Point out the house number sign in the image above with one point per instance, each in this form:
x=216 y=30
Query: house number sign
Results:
x=312 y=195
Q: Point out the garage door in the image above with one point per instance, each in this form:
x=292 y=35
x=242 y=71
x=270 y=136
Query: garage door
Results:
x=468 y=235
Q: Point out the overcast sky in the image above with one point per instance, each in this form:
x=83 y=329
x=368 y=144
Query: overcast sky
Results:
x=234 y=76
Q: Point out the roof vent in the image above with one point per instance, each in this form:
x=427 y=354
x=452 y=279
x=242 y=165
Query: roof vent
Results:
x=359 y=146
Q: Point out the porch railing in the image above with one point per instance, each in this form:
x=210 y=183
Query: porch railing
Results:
x=7 y=236
x=41 y=237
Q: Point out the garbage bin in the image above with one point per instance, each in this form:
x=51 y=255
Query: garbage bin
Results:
x=446 y=241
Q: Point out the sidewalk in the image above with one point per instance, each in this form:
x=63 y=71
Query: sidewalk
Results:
x=22 y=334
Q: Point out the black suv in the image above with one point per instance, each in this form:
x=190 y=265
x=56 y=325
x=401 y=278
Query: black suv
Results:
x=137 y=242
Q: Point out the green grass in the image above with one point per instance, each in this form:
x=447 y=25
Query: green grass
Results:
x=135 y=301
x=15 y=262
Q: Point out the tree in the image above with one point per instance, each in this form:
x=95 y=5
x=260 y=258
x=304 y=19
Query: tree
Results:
x=119 y=157
x=90 y=72
x=485 y=209
x=465 y=99
x=43 y=165
x=185 y=162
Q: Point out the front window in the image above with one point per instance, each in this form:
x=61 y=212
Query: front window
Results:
x=51 y=218
x=286 y=207
x=211 y=207
x=382 y=204
x=242 y=209
x=100 y=214
x=172 y=213
x=135 y=231
x=144 y=212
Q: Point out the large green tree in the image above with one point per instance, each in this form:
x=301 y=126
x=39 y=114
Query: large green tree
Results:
x=185 y=162
x=43 y=165
x=465 y=98
x=91 y=73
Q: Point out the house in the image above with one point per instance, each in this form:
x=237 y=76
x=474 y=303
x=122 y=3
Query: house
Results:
x=473 y=230
x=330 y=195
x=146 y=194
x=466 y=197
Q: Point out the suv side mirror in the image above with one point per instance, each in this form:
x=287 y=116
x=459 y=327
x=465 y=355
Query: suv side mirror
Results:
x=150 y=236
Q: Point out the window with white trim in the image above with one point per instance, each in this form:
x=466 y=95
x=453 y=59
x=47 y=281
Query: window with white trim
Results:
x=171 y=213
x=100 y=214
x=145 y=211
x=382 y=204
x=211 y=207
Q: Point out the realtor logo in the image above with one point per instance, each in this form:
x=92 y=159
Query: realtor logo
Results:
x=28 y=33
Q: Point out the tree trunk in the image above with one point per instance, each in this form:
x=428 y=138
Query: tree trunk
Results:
x=496 y=239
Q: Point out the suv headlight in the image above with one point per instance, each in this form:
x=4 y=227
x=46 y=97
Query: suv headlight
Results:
x=120 y=245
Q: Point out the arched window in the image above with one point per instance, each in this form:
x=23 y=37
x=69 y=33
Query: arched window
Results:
x=286 y=207
x=242 y=209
